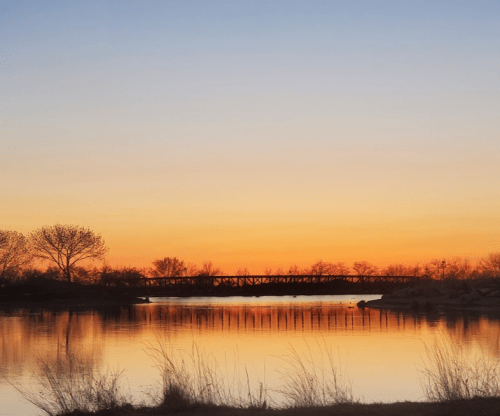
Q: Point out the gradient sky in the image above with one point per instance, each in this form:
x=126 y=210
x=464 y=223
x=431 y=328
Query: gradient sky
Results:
x=254 y=133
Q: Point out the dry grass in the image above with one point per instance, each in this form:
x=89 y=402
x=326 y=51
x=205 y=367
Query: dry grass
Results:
x=188 y=379
x=196 y=378
x=71 y=383
x=313 y=379
x=451 y=374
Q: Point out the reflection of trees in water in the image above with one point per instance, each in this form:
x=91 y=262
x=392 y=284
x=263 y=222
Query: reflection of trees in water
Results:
x=29 y=335
x=469 y=328
x=26 y=334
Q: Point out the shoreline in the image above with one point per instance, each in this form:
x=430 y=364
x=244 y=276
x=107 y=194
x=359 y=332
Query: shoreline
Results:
x=426 y=304
x=479 y=296
x=437 y=296
x=72 y=304
x=482 y=406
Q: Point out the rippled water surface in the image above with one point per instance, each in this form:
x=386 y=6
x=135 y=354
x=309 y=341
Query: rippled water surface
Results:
x=379 y=351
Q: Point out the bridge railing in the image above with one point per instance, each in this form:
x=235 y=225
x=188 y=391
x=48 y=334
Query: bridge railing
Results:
x=255 y=280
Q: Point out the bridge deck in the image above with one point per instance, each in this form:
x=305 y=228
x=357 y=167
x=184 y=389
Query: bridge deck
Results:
x=256 y=280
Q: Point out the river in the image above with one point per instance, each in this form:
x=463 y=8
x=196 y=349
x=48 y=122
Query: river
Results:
x=380 y=352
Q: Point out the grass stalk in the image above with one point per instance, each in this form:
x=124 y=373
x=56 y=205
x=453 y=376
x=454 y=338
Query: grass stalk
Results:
x=313 y=379
x=449 y=373
x=310 y=377
x=193 y=378
x=70 y=383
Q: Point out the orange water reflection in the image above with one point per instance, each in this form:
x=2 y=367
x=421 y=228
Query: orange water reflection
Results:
x=379 y=350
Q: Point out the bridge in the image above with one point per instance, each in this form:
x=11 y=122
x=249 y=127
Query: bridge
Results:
x=254 y=284
x=238 y=281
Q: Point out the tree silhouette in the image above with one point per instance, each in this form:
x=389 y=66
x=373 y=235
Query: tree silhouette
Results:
x=295 y=270
x=401 y=270
x=209 y=269
x=168 y=267
x=242 y=272
x=340 y=268
x=323 y=267
x=363 y=268
x=15 y=252
x=66 y=245
x=459 y=268
x=319 y=268
x=490 y=265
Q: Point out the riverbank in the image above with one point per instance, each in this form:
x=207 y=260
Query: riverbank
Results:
x=426 y=296
x=480 y=406
x=53 y=294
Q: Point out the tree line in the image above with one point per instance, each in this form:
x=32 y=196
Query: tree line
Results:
x=66 y=247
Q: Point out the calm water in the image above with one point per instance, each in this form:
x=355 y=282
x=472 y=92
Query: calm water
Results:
x=379 y=351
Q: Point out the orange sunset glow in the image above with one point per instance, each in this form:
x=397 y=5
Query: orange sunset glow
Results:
x=254 y=135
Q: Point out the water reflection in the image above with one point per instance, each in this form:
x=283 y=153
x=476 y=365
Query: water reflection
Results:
x=24 y=332
x=381 y=345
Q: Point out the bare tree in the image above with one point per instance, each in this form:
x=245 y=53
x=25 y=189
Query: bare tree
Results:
x=363 y=268
x=327 y=268
x=66 y=245
x=169 y=267
x=436 y=269
x=490 y=265
x=401 y=270
x=89 y=275
x=321 y=267
x=340 y=268
x=431 y=270
x=296 y=271
x=243 y=272
x=15 y=252
x=123 y=276
x=209 y=269
x=191 y=269
x=459 y=268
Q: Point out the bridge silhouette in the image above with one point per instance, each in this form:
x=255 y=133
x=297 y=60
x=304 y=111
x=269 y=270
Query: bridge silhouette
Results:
x=256 y=284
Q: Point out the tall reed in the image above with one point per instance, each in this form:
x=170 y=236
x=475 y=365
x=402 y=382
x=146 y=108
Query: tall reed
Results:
x=196 y=378
x=313 y=378
x=449 y=373
x=71 y=383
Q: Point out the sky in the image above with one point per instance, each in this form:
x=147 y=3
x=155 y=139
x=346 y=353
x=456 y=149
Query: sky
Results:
x=254 y=134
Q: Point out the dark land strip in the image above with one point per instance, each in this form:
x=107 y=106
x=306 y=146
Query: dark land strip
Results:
x=472 y=407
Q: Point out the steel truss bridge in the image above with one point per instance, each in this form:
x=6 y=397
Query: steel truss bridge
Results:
x=238 y=281
x=255 y=282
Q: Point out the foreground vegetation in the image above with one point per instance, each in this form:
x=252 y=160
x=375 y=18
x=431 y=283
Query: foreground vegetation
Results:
x=451 y=375
x=192 y=383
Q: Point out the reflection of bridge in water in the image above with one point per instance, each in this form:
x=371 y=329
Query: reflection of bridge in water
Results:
x=272 y=318
x=254 y=284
